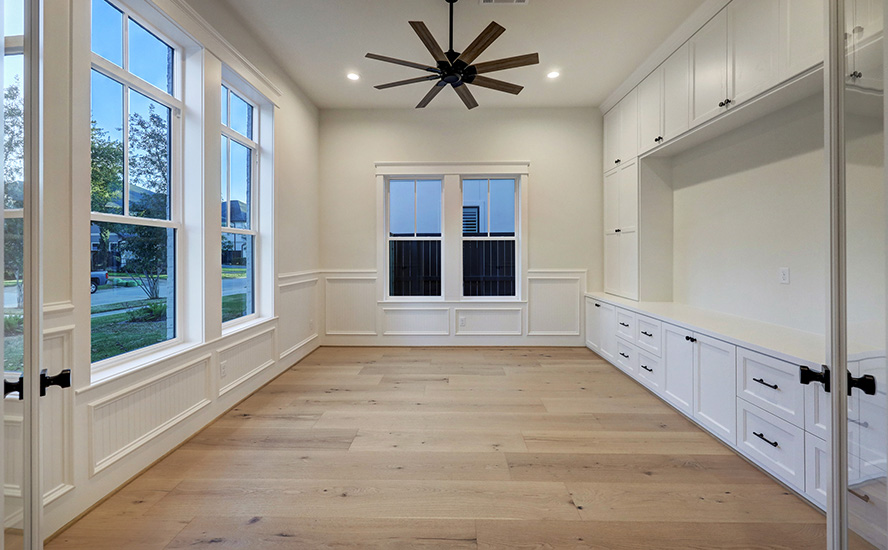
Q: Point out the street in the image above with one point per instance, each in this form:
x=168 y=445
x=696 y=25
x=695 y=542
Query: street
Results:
x=110 y=295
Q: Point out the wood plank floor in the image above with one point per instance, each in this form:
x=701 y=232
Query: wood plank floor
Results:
x=386 y=448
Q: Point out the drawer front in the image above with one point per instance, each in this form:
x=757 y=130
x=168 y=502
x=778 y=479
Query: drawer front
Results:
x=626 y=325
x=650 y=371
x=627 y=358
x=772 y=443
x=649 y=334
x=771 y=384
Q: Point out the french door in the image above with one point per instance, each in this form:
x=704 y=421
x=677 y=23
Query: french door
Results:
x=854 y=131
x=20 y=465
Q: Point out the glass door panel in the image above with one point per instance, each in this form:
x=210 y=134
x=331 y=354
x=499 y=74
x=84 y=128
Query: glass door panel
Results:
x=866 y=227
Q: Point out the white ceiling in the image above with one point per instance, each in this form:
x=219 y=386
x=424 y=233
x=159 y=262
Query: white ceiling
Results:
x=595 y=44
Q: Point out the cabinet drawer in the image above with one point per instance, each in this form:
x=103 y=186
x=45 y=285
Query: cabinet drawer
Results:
x=772 y=443
x=648 y=334
x=626 y=324
x=650 y=371
x=771 y=384
x=627 y=358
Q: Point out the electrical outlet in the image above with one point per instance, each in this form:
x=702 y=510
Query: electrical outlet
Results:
x=784 y=275
x=222 y=365
x=462 y=322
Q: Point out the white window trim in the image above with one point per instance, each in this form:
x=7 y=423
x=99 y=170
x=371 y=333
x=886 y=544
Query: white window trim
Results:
x=137 y=358
x=451 y=262
x=255 y=188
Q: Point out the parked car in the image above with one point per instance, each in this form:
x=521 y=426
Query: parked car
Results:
x=97 y=279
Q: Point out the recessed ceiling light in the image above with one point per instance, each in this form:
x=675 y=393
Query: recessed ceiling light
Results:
x=554 y=74
x=353 y=76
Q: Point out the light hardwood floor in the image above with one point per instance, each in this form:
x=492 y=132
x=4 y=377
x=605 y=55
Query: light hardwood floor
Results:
x=379 y=448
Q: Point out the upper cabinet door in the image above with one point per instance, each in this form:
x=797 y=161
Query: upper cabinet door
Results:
x=864 y=19
x=628 y=197
x=709 y=73
x=629 y=126
x=612 y=140
x=753 y=40
x=612 y=201
x=650 y=111
x=801 y=36
x=676 y=93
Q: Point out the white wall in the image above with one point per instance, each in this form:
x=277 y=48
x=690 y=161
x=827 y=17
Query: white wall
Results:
x=564 y=239
x=562 y=145
x=748 y=203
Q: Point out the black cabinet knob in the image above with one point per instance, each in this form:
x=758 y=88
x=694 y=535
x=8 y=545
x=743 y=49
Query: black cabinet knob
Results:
x=690 y=339
x=728 y=102
x=617 y=161
x=617 y=230
x=597 y=305
x=721 y=103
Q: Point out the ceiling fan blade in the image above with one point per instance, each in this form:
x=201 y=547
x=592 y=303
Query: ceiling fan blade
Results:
x=507 y=63
x=408 y=81
x=436 y=89
x=404 y=63
x=466 y=95
x=485 y=39
x=497 y=85
x=429 y=41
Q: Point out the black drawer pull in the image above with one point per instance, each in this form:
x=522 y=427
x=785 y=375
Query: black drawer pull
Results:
x=624 y=325
x=862 y=496
x=624 y=355
x=763 y=383
x=765 y=439
x=863 y=424
x=647 y=334
x=645 y=367
x=618 y=230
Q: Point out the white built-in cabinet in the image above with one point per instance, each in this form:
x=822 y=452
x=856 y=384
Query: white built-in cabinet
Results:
x=715 y=393
x=600 y=335
x=748 y=48
x=749 y=399
x=621 y=132
x=621 y=230
x=678 y=353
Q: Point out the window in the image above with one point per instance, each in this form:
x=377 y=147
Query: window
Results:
x=240 y=156
x=136 y=220
x=13 y=192
x=414 y=237
x=489 y=239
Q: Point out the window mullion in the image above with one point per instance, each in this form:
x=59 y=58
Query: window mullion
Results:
x=228 y=182
x=126 y=149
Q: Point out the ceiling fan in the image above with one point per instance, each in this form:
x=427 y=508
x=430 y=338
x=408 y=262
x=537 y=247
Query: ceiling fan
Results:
x=456 y=68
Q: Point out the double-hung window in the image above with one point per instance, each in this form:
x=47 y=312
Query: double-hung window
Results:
x=240 y=156
x=414 y=237
x=489 y=238
x=136 y=218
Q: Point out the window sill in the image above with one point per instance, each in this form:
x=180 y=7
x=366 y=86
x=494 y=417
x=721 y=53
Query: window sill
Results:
x=243 y=323
x=111 y=369
x=463 y=301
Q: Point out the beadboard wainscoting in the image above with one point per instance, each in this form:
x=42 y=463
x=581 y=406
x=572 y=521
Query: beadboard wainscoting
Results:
x=124 y=421
x=552 y=314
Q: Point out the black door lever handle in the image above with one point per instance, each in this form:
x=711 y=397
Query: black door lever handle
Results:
x=62 y=380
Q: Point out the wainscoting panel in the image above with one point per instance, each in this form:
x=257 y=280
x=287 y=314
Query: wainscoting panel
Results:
x=416 y=322
x=56 y=416
x=123 y=422
x=351 y=305
x=298 y=313
x=241 y=361
x=554 y=306
x=489 y=322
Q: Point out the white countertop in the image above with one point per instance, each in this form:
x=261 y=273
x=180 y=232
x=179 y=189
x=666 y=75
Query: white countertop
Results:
x=785 y=343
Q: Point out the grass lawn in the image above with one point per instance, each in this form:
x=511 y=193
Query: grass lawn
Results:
x=234 y=306
x=125 y=305
x=234 y=272
x=13 y=353
x=116 y=334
